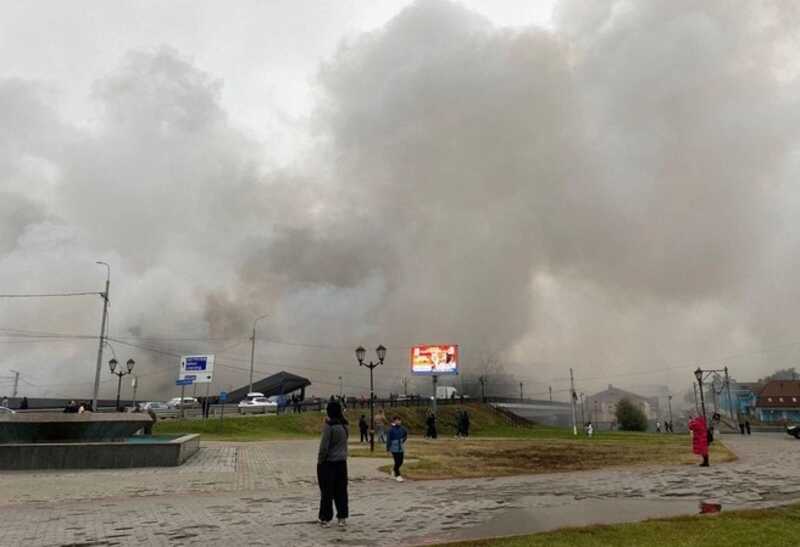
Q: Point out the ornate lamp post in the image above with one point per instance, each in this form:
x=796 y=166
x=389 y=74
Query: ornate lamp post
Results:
x=698 y=374
x=361 y=354
x=112 y=364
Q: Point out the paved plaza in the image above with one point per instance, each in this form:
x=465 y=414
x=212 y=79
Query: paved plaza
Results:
x=265 y=494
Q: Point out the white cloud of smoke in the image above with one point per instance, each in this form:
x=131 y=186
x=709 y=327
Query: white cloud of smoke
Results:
x=615 y=194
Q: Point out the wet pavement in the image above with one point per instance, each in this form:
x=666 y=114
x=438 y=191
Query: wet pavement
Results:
x=265 y=494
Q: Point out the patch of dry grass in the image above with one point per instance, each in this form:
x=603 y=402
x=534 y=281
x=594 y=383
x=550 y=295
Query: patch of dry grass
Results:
x=451 y=458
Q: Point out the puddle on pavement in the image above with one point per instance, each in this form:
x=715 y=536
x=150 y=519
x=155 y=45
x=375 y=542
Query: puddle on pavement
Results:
x=543 y=513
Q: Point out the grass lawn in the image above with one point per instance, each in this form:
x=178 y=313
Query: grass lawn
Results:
x=482 y=457
x=496 y=447
x=764 y=527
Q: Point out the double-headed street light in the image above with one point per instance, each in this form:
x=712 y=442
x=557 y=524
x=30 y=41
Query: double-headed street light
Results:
x=361 y=354
x=112 y=364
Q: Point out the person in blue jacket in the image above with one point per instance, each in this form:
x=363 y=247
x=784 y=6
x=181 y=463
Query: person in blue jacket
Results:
x=395 y=443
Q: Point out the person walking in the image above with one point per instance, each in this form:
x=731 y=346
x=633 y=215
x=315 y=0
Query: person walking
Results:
x=589 y=429
x=465 y=423
x=747 y=426
x=363 y=428
x=395 y=444
x=430 y=426
x=332 y=467
x=699 y=429
x=380 y=427
x=24 y=404
x=4 y=401
x=658 y=426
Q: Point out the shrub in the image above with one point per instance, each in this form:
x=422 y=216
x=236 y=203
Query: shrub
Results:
x=630 y=417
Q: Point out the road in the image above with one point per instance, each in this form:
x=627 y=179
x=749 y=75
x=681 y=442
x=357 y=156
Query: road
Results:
x=265 y=494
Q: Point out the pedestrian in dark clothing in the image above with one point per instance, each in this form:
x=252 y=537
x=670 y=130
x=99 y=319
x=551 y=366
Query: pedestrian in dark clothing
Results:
x=430 y=426
x=363 y=428
x=465 y=423
x=395 y=444
x=24 y=404
x=741 y=428
x=747 y=426
x=332 y=467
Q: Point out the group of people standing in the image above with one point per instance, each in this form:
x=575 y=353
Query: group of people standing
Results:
x=332 y=461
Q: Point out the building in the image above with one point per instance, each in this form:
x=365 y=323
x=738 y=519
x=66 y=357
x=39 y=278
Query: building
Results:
x=282 y=383
x=601 y=407
x=745 y=397
x=779 y=402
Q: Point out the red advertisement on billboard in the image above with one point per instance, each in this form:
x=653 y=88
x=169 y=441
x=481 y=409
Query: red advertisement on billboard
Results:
x=434 y=359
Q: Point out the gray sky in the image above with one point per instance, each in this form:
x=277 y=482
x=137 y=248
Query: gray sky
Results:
x=605 y=185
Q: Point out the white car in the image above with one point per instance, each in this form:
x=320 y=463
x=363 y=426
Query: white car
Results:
x=5 y=410
x=155 y=405
x=258 y=404
x=187 y=402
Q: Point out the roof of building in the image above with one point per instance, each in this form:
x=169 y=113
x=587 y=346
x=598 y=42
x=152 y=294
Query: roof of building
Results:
x=755 y=387
x=277 y=384
x=780 y=394
x=615 y=394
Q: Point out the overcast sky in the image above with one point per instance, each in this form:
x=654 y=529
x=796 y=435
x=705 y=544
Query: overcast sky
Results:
x=608 y=186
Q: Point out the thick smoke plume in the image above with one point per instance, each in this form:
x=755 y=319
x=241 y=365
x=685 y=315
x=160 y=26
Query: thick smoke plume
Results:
x=614 y=195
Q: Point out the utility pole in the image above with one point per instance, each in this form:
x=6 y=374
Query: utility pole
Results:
x=669 y=403
x=135 y=386
x=482 y=380
x=520 y=391
x=405 y=386
x=728 y=389
x=105 y=296
x=573 y=397
x=341 y=387
x=696 y=405
x=550 y=389
x=16 y=384
x=253 y=350
x=583 y=411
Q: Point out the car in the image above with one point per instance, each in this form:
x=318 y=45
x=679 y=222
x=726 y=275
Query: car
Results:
x=154 y=405
x=6 y=410
x=794 y=431
x=258 y=404
x=188 y=402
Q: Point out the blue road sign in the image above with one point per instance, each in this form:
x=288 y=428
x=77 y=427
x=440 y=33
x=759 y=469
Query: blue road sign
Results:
x=184 y=382
x=223 y=396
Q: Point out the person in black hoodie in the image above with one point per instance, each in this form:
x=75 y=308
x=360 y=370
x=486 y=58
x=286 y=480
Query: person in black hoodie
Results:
x=363 y=428
x=332 y=467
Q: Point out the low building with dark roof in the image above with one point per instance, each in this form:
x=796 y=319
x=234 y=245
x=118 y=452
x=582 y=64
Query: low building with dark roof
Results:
x=282 y=383
x=779 y=402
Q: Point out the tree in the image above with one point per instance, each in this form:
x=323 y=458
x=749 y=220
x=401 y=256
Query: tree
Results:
x=630 y=417
x=782 y=374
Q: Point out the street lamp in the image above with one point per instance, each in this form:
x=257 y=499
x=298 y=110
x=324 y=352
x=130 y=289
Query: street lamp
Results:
x=112 y=364
x=699 y=375
x=361 y=354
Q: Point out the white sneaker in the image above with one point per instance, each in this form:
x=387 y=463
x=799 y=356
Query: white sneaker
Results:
x=400 y=478
x=342 y=523
x=324 y=524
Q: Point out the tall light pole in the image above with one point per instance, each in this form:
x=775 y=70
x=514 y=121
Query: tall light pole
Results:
x=361 y=353
x=253 y=349
x=699 y=375
x=104 y=295
x=341 y=387
x=112 y=364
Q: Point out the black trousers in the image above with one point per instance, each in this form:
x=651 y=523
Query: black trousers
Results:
x=364 y=436
x=398 y=461
x=332 y=478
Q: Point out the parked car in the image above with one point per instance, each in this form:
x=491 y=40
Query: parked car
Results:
x=258 y=404
x=6 y=410
x=187 y=402
x=794 y=431
x=154 y=406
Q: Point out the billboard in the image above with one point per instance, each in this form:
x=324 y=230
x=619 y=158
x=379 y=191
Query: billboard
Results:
x=434 y=359
x=197 y=368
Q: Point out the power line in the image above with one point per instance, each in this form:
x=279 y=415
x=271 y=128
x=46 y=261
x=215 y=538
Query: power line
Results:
x=50 y=295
